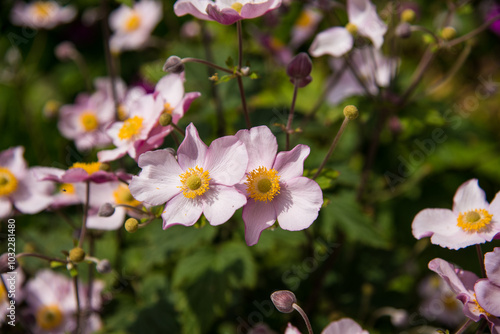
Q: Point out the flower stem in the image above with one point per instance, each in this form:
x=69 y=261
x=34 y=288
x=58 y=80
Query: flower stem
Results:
x=40 y=256
x=288 y=129
x=481 y=260
x=304 y=316
x=85 y=214
x=464 y=327
x=208 y=63
x=473 y=33
x=78 y=308
x=332 y=147
x=418 y=74
x=240 y=80
x=178 y=129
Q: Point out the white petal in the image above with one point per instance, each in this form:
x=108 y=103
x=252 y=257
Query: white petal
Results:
x=334 y=41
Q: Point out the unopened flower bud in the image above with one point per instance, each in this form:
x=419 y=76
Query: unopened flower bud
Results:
x=403 y=30
x=351 y=112
x=165 y=119
x=103 y=267
x=5 y=266
x=106 y=210
x=448 y=33
x=283 y=300
x=299 y=70
x=408 y=15
x=173 y=64
x=131 y=225
x=76 y=255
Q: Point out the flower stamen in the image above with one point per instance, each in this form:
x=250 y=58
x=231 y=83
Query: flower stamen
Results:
x=8 y=182
x=237 y=7
x=130 y=128
x=89 y=121
x=122 y=195
x=133 y=22
x=89 y=167
x=195 y=182
x=263 y=184
x=476 y=220
x=49 y=317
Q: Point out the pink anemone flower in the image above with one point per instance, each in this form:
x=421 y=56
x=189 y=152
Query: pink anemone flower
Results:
x=275 y=187
x=41 y=14
x=488 y=290
x=225 y=11
x=462 y=283
x=363 y=20
x=201 y=180
x=18 y=186
x=78 y=172
x=472 y=220
x=342 y=326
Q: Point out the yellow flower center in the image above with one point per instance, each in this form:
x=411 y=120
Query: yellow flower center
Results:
x=476 y=220
x=479 y=308
x=89 y=120
x=133 y=22
x=450 y=302
x=237 y=7
x=352 y=28
x=263 y=184
x=304 y=19
x=131 y=127
x=90 y=167
x=122 y=112
x=3 y=293
x=8 y=182
x=167 y=108
x=49 y=317
x=122 y=195
x=42 y=9
x=67 y=189
x=195 y=182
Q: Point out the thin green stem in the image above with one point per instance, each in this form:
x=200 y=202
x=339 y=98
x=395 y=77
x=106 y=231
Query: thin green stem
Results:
x=473 y=33
x=85 y=214
x=332 y=147
x=239 y=79
x=208 y=63
x=78 y=307
x=107 y=52
x=178 y=129
x=418 y=74
x=481 y=260
x=40 y=256
x=290 y=117
x=304 y=316
x=464 y=326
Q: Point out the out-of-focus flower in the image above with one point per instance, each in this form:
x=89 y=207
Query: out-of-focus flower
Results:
x=304 y=27
x=18 y=186
x=66 y=51
x=472 y=221
x=493 y=11
x=261 y=329
x=275 y=186
x=373 y=68
x=363 y=20
x=488 y=290
x=225 y=11
x=78 y=172
x=50 y=298
x=132 y=27
x=201 y=180
x=290 y=329
x=191 y=29
x=278 y=50
x=41 y=14
x=14 y=281
x=345 y=325
x=439 y=302
x=462 y=283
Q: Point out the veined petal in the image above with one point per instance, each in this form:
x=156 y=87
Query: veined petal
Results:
x=492 y=265
x=430 y=221
x=192 y=151
x=261 y=146
x=290 y=164
x=171 y=88
x=448 y=272
x=488 y=296
x=220 y=203
x=196 y=8
x=345 y=325
x=5 y=207
x=223 y=16
x=252 y=10
x=335 y=41
x=468 y=197
x=298 y=203
x=364 y=15
x=257 y=216
x=226 y=160
x=181 y=210
x=13 y=160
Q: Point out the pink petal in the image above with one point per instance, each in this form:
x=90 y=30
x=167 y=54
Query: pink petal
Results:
x=112 y=155
x=171 y=88
x=5 y=207
x=291 y=164
x=220 y=203
x=364 y=15
x=488 y=296
x=188 y=99
x=226 y=160
x=196 y=8
x=492 y=265
x=13 y=160
x=298 y=203
x=106 y=223
x=32 y=196
x=257 y=216
x=182 y=210
x=223 y=16
x=291 y=329
x=468 y=197
x=343 y=326
x=48 y=173
x=335 y=41
x=252 y=10
x=261 y=146
x=430 y=221
x=159 y=180
x=192 y=151
x=447 y=271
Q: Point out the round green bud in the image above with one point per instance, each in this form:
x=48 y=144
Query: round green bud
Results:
x=131 y=225
x=448 y=33
x=165 y=119
x=352 y=28
x=76 y=255
x=408 y=15
x=351 y=112
x=104 y=167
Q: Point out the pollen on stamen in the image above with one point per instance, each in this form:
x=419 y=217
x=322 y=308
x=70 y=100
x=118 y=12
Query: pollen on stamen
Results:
x=89 y=167
x=263 y=184
x=237 y=7
x=130 y=128
x=89 y=121
x=8 y=182
x=477 y=220
x=133 y=22
x=195 y=182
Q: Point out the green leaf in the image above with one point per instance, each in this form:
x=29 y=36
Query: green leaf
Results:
x=129 y=3
x=73 y=272
x=55 y=264
x=326 y=179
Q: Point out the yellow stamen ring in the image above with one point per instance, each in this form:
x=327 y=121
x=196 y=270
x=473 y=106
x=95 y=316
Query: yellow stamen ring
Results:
x=89 y=121
x=476 y=220
x=90 y=167
x=195 y=182
x=263 y=184
x=8 y=182
x=130 y=128
x=49 y=317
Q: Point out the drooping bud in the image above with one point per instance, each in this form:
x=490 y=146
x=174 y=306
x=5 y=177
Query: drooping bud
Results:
x=165 y=119
x=76 y=255
x=408 y=15
x=103 y=267
x=448 y=33
x=173 y=64
x=403 y=30
x=299 y=70
x=351 y=112
x=106 y=210
x=131 y=225
x=5 y=266
x=283 y=300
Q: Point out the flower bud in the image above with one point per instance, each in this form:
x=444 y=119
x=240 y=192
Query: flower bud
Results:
x=408 y=15
x=448 y=33
x=5 y=266
x=76 y=255
x=174 y=64
x=283 y=300
x=299 y=70
x=103 y=267
x=131 y=225
x=351 y=112
x=403 y=30
x=165 y=119
x=106 y=210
